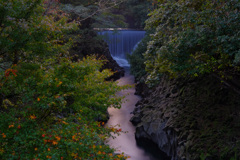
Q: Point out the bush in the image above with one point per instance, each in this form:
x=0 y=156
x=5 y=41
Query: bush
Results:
x=136 y=59
x=32 y=29
x=194 y=37
x=49 y=105
x=49 y=110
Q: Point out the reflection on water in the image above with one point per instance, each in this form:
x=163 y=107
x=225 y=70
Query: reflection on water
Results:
x=126 y=141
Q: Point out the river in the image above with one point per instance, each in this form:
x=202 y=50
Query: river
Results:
x=120 y=44
x=126 y=142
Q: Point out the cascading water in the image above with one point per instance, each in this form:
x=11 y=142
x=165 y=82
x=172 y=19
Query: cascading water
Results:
x=121 y=43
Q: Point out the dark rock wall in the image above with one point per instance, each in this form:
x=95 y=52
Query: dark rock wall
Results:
x=89 y=44
x=190 y=117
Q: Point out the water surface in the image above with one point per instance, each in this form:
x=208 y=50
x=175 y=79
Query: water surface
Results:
x=126 y=141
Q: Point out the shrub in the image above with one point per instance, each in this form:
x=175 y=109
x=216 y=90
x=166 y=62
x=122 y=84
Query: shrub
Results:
x=136 y=59
x=49 y=105
x=49 y=110
x=193 y=37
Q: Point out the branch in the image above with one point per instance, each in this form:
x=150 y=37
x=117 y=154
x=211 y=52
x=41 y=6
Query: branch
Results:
x=113 y=4
x=3 y=67
x=49 y=4
x=234 y=88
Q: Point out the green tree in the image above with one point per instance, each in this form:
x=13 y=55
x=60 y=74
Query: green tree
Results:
x=50 y=110
x=197 y=38
x=98 y=13
x=50 y=107
x=194 y=37
x=135 y=12
x=29 y=30
x=136 y=59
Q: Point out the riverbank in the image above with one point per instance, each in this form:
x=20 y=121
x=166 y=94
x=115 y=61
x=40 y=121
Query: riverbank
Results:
x=191 y=119
x=126 y=142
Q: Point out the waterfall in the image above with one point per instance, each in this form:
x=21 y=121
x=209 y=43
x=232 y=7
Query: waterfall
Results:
x=121 y=43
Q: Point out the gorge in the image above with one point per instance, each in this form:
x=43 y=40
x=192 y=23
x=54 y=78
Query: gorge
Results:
x=62 y=76
x=181 y=115
x=121 y=43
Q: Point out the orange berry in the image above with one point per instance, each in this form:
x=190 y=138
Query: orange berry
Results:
x=54 y=143
x=33 y=117
x=3 y=135
x=11 y=126
x=58 y=138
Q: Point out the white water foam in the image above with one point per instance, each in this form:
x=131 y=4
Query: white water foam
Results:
x=121 y=62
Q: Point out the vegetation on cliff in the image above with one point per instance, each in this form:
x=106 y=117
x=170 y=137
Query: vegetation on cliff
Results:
x=135 y=12
x=99 y=14
x=136 y=59
x=194 y=37
x=50 y=106
x=195 y=44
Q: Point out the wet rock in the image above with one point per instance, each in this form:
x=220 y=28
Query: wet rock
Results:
x=140 y=133
x=142 y=89
x=135 y=119
x=181 y=116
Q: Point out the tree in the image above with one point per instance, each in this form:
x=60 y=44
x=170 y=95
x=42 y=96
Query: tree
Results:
x=27 y=35
x=99 y=11
x=135 y=12
x=198 y=38
x=193 y=38
x=50 y=107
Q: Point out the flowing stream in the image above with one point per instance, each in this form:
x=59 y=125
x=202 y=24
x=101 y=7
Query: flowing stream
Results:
x=126 y=142
x=120 y=44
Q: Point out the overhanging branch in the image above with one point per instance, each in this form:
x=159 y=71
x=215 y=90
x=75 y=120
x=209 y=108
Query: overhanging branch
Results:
x=228 y=84
x=102 y=7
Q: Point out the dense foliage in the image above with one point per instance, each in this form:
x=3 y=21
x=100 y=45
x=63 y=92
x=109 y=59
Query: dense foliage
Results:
x=135 y=12
x=52 y=111
x=50 y=107
x=193 y=37
x=136 y=59
x=27 y=35
x=98 y=14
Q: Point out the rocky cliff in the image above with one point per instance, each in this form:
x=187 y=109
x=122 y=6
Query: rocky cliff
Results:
x=190 y=118
x=89 y=44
